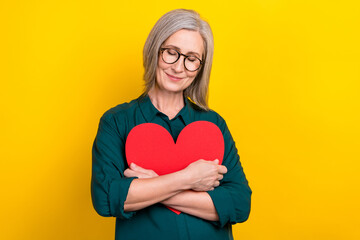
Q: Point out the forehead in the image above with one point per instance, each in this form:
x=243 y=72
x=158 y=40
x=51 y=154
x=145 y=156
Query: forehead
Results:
x=187 y=41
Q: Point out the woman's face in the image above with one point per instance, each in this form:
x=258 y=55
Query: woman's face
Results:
x=175 y=77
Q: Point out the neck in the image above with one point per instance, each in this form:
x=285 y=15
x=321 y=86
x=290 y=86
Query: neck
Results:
x=169 y=103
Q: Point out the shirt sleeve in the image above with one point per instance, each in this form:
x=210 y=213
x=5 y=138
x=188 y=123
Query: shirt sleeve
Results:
x=109 y=186
x=232 y=199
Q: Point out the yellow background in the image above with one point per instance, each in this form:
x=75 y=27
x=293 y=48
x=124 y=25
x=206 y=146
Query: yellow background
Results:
x=285 y=78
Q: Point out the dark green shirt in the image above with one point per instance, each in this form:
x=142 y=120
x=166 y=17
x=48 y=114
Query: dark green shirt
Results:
x=109 y=186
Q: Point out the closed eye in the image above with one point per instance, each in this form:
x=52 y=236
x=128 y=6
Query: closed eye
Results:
x=171 y=52
x=192 y=59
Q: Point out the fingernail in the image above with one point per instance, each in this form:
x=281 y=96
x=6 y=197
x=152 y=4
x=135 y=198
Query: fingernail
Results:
x=132 y=165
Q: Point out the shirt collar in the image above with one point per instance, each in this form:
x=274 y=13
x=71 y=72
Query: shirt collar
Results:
x=150 y=111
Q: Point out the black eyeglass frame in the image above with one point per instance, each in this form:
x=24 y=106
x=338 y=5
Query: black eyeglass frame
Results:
x=180 y=54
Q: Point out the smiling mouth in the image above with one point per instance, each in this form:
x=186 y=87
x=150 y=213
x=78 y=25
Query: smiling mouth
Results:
x=173 y=77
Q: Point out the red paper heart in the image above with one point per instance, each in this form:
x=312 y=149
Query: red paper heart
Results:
x=151 y=146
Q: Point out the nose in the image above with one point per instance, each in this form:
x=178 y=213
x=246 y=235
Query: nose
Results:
x=178 y=66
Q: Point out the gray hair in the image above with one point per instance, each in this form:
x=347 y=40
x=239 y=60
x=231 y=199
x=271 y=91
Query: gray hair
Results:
x=167 y=25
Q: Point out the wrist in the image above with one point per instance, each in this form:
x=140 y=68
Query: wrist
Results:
x=184 y=180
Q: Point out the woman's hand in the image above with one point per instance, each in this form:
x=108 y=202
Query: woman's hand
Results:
x=137 y=171
x=205 y=175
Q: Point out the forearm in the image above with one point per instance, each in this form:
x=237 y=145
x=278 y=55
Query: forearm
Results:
x=145 y=192
x=198 y=204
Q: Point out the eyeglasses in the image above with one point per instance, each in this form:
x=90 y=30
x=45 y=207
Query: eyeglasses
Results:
x=170 y=56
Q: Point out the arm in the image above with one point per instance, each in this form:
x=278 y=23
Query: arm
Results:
x=109 y=186
x=232 y=199
x=195 y=203
x=151 y=188
x=145 y=192
x=198 y=204
x=227 y=203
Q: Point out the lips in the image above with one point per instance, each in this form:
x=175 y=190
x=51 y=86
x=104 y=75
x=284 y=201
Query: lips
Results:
x=173 y=77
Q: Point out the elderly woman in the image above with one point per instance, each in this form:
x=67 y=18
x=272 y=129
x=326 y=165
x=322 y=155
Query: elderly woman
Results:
x=211 y=196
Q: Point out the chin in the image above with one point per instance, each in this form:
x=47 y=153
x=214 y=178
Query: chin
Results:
x=172 y=89
x=169 y=86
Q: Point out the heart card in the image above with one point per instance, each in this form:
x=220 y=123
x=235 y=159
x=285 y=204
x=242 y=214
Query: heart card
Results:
x=151 y=146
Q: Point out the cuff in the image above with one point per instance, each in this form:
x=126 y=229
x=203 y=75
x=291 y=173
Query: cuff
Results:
x=118 y=192
x=224 y=206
